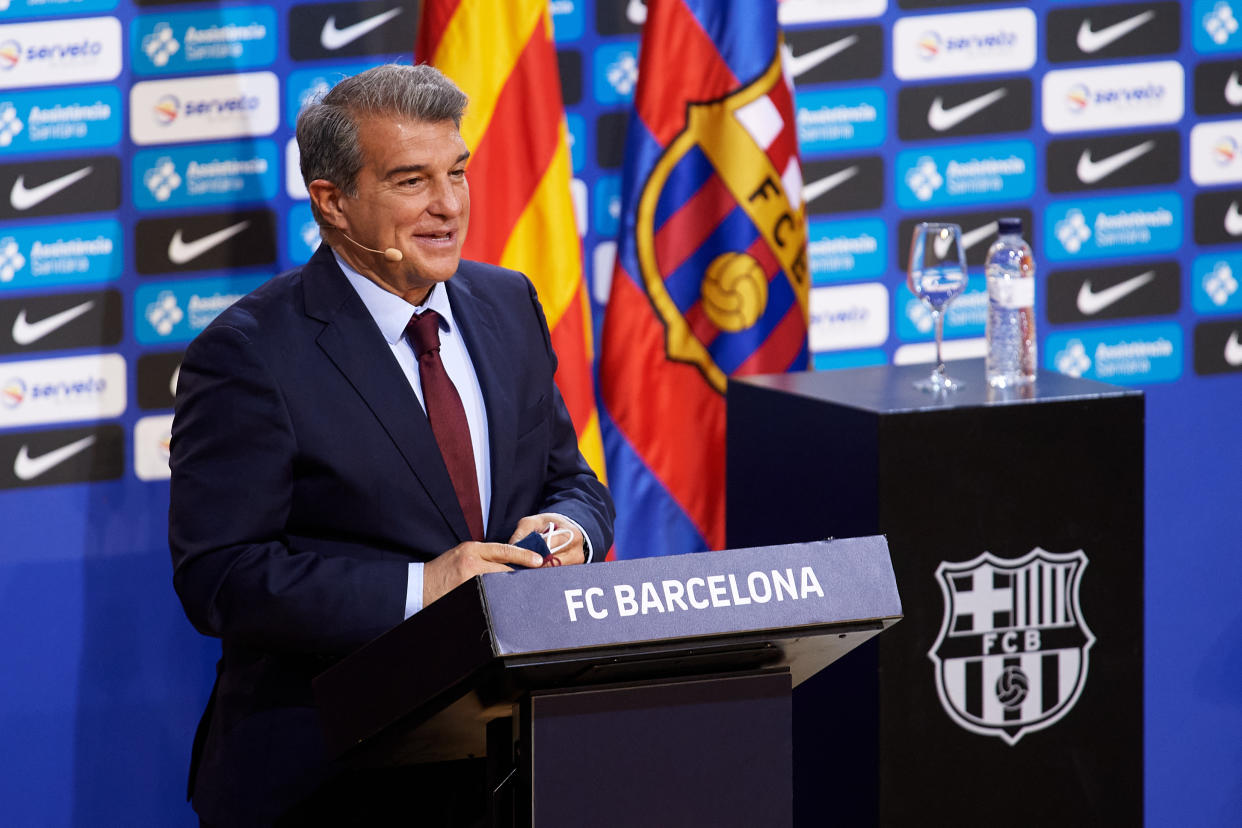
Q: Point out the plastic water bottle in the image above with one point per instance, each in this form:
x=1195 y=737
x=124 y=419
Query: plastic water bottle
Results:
x=1010 y=272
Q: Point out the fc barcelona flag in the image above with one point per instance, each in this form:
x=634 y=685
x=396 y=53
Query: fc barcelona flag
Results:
x=711 y=276
x=501 y=54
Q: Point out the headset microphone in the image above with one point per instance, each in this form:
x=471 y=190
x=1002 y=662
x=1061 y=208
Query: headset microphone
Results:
x=392 y=254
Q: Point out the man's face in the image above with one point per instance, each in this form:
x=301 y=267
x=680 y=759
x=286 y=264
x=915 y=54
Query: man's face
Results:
x=411 y=195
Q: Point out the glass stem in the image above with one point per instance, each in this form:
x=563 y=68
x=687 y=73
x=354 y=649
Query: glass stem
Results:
x=938 y=321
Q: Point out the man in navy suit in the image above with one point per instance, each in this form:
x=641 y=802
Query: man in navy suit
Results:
x=313 y=507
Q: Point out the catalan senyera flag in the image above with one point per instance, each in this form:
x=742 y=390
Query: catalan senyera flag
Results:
x=711 y=277
x=501 y=54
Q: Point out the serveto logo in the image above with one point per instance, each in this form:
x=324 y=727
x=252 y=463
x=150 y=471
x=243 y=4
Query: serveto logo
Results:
x=1126 y=354
x=1214 y=156
x=833 y=120
x=1012 y=653
x=846 y=250
x=219 y=173
x=62 y=390
x=54 y=119
x=220 y=39
x=972 y=43
x=1216 y=284
x=849 y=316
x=1105 y=227
x=50 y=53
x=1108 y=97
x=1215 y=26
x=200 y=109
x=176 y=312
x=965 y=174
x=61 y=254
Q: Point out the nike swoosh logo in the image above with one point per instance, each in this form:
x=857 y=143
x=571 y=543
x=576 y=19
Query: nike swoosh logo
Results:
x=180 y=252
x=23 y=199
x=1093 y=41
x=1233 y=350
x=1233 y=90
x=28 y=468
x=1233 y=221
x=815 y=189
x=941 y=119
x=1091 y=303
x=332 y=38
x=801 y=64
x=24 y=333
x=1091 y=172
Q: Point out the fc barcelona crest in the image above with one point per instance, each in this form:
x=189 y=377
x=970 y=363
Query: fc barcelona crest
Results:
x=721 y=234
x=1012 y=654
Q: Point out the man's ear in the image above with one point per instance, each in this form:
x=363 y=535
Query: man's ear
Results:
x=326 y=199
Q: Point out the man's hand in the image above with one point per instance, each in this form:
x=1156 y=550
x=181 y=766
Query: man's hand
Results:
x=572 y=553
x=461 y=563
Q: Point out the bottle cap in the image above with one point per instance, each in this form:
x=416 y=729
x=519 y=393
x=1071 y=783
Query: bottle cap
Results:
x=1009 y=225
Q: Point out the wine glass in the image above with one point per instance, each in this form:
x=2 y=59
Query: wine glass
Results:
x=937 y=273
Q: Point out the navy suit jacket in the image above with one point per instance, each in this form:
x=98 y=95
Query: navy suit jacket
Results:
x=306 y=478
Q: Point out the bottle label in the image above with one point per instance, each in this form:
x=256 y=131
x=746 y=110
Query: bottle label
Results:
x=1014 y=294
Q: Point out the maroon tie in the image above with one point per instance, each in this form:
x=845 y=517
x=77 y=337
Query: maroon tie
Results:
x=447 y=416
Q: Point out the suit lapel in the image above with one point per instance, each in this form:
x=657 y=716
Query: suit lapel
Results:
x=355 y=345
x=477 y=318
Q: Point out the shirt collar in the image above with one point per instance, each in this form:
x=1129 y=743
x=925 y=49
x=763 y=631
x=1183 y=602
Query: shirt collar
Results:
x=390 y=311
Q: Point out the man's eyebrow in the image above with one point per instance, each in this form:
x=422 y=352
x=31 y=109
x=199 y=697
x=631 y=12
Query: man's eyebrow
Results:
x=418 y=168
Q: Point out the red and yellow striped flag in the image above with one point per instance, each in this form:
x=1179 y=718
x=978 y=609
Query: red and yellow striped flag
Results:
x=501 y=54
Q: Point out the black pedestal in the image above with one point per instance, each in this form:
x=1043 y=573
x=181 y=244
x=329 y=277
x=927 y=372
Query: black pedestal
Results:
x=1012 y=693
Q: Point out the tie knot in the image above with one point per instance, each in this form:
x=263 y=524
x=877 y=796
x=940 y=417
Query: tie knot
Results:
x=424 y=332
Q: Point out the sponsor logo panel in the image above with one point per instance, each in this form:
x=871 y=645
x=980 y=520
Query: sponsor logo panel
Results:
x=204 y=108
x=1215 y=286
x=834 y=55
x=575 y=126
x=606 y=201
x=848 y=316
x=157 y=379
x=1215 y=150
x=846 y=250
x=216 y=40
x=56 y=8
x=964 y=109
x=1113 y=161
x=178 y=311
x=1215 y=26
x=1105 y=227
x=979 y=230
x=1100 y=32
x=152 y=436
x=625 y=17
x=1218 y=347
x=1122 y=355
x=965 y=174
x=60 y=254
x=965 y=316
x=309 y=85
x=568 y=19
x=214 y=174
x=792 y=12
x=60 y=186
x=65 y=51
x=59 y=119
x=615 y=72
x=1218 y=217
x=1218 y=88
x=61 y=390
x=1148 y=289
x=834 y=120
x=320 y=31
x=60 y=456
x=294 y=185
x=59 y=321
x=968 y=43
x=211 y=241
x=302 y=238
x=1112 y=97
x=569 y=66
x=834 y=185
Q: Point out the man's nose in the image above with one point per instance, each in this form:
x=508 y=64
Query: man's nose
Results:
x=448 y=198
